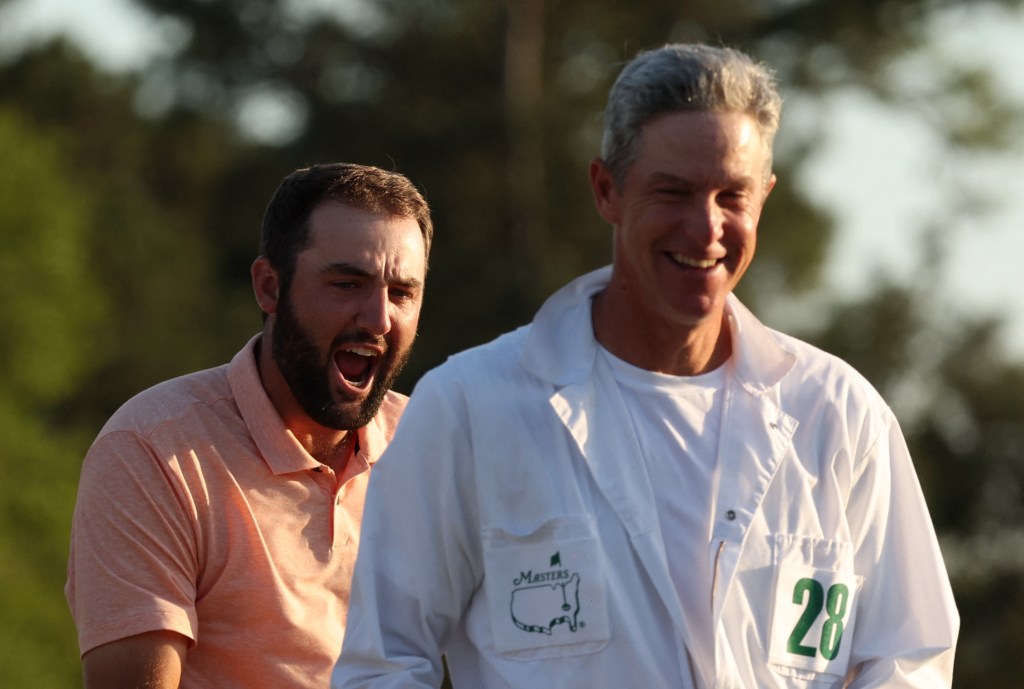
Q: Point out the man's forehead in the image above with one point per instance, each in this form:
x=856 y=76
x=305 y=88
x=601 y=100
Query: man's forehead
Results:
x=684 y=144
x=392 y=271
x=388 y=248
x=334 y=220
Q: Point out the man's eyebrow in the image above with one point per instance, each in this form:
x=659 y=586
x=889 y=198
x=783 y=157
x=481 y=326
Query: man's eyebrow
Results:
x=666 y=177
x=657 y=178
x=683 y=182
x=343 y=268
x=407 y=283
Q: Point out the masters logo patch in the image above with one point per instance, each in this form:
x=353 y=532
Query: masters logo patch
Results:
x=554 y=594
x=545 y=593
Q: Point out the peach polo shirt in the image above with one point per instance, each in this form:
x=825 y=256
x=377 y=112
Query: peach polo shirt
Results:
x=199 y=512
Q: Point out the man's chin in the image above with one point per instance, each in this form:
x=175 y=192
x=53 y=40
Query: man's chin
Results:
x=352 y=413
x=337 y=416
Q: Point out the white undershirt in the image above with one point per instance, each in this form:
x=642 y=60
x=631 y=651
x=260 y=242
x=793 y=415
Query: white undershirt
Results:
x=677 y=420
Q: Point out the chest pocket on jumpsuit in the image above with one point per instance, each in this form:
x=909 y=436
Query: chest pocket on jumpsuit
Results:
x=814 y=612
x=546 y=589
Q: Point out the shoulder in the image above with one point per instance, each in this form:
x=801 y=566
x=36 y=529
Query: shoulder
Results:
x=479 y=380
x=833 y=403
x=172 y=400
x=766 y=357
x=825 y=373
x=806 y=378
x=153 y=448
x=497 y=359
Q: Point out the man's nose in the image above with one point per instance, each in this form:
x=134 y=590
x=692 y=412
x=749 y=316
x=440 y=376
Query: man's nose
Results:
x=375 y=312
x=706 y=221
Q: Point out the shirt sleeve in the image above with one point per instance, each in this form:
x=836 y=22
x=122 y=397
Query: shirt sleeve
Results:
x=133 y=560
x=907 y=622
x=416 y=570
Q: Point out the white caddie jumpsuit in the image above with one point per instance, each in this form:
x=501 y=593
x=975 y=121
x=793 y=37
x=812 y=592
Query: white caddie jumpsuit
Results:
x=511 y=526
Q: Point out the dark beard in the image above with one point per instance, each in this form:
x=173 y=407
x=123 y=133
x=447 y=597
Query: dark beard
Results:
x=305 y=369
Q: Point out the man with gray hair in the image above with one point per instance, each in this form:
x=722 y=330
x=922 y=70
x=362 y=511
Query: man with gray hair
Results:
x=646 y=487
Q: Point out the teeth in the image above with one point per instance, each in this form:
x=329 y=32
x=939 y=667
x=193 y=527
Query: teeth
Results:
x=694 y=262
x=361 y=351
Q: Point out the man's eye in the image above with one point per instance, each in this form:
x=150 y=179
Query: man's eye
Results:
x=732 y=198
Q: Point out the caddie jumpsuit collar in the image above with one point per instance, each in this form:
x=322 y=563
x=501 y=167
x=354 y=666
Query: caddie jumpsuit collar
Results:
x=562 y=350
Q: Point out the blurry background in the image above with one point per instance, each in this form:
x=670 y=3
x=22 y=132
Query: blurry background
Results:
x=141 y=139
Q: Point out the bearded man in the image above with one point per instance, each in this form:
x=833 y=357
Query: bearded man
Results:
x=218 y=514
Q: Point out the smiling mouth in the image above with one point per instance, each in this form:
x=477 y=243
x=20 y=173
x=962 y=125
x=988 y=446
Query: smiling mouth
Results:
x=690 y=262
x=357 y=364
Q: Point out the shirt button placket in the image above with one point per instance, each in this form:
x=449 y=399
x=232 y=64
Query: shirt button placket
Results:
x=336 y=529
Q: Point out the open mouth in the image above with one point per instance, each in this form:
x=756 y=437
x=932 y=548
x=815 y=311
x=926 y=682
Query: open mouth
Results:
x=691 y=262
x=357 y=364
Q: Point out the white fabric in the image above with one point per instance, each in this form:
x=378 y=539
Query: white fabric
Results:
x=677 y=420
x=512 y=470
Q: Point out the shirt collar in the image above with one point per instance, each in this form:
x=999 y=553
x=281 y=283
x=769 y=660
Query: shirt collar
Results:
x=275 y=442
x=561 y=347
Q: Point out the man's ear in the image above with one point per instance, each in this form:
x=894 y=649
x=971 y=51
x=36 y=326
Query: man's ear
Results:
x=606 y=192
x=266 y=284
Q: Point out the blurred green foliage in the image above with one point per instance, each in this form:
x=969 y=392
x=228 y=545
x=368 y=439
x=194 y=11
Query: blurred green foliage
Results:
x=53 y=304
x=130 y=207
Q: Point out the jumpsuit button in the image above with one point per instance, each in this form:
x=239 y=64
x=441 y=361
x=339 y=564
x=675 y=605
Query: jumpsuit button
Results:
x=731 y=515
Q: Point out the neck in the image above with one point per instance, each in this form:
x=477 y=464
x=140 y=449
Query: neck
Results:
x=326 y=445
x=332 y=451
x=670 y=348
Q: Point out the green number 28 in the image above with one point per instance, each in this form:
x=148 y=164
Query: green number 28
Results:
x=811 y=594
